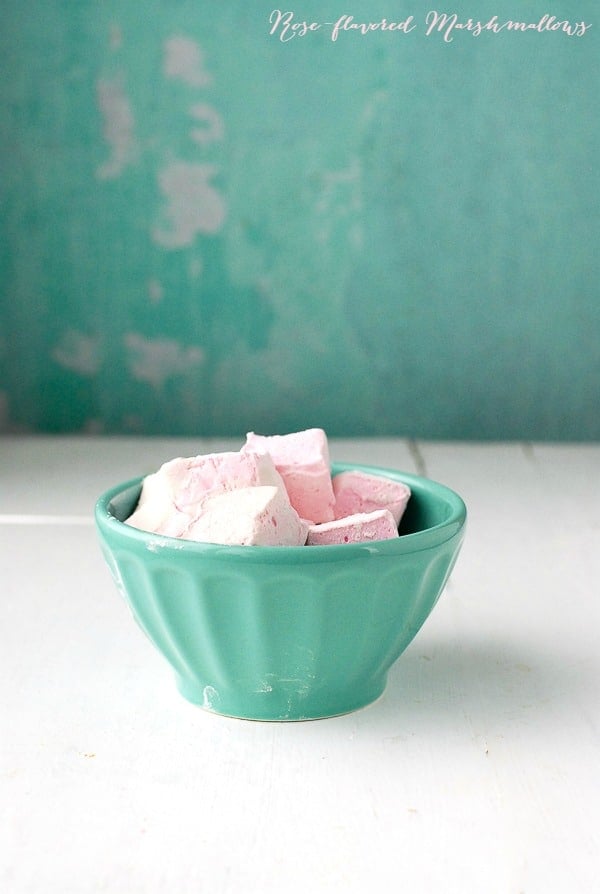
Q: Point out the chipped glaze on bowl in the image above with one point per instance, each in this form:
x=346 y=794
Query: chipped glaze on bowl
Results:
x=285 y=633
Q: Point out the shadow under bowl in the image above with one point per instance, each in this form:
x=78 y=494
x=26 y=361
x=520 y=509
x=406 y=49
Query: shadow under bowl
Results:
x=285 y=633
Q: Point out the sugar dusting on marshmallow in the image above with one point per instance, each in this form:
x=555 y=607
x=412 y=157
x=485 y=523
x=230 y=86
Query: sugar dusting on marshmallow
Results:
x=193 y=479
x=358 y=528
x=259 y=516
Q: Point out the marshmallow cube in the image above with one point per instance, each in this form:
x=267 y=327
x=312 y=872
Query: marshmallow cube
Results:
x=357 y=492
x=260 y=516
x=155 y=511
x=171 y=498
x=358 y=528
x=193 y=479
x=302 y=460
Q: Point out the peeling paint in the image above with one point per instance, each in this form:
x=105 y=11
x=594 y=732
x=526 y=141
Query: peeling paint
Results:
x=334 y=180
x=155 y=291
x=184 y=60
x=78 y=352
x=115 y=37
x=118 y=128
x=340 y=198
x=156 y=360
x=213 y=130
x=195 y=268
x=194 y=205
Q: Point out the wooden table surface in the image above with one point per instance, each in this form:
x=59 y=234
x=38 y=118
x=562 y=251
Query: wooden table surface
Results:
x=476 y=773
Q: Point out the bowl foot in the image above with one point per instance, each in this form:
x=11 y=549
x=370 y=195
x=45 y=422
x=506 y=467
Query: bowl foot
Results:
x=280 y=701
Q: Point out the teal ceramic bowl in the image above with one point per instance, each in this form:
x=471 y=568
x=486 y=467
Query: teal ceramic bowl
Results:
x=284 y=633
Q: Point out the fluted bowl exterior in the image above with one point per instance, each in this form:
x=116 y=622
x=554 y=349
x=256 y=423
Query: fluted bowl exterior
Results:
x=284 y=633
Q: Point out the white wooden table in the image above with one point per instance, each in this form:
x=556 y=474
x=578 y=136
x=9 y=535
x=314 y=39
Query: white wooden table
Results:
x=476 y=773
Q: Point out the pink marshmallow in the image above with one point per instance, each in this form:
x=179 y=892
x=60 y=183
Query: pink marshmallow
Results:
x=192 y=479
x=357 y=528
x=260 y=516
x=276 y=491
x=170 y=497
x=302 y=460
x=360 y=492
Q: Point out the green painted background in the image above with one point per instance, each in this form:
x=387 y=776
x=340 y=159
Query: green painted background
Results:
x=205 y=229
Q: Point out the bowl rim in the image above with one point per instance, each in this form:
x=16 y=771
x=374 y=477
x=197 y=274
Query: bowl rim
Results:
x=428 y=538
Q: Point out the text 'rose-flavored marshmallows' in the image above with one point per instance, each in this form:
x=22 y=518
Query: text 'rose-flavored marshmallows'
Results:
x=276 y=491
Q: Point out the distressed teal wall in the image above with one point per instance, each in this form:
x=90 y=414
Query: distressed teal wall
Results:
x=206 y=229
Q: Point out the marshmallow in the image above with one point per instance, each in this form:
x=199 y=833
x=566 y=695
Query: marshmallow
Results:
x=302 y=460
x=260 y=516
x=170 y=498
x=357 y=528
x=276 y=491
x=360 y=492
x=194 y=478
x=156 y=511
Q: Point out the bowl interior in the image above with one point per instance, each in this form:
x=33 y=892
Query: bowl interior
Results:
x=122 y=504
x=423 y=512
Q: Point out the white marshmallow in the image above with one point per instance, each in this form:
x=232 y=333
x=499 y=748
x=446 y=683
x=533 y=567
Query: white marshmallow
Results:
x=261 y=516
x=170 y=498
